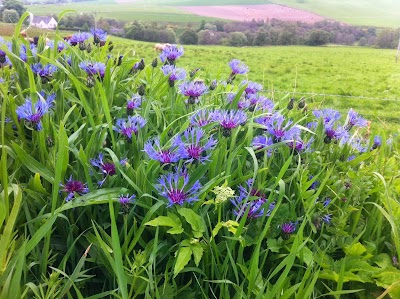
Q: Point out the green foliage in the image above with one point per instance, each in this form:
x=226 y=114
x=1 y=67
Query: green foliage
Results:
x=10 y=16
x=237 y=39
x=189 y=37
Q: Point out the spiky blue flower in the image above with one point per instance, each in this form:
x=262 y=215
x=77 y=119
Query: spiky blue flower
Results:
x=328 y=115
x=45 y=71
x=193 y=145
x=93 y=68
x=79 y=37
x=60 y=45
x=106 y=168
x=262 y=142
x=193 y=90
x=238 y=67
x=258 y=102
x=229 y=119
x=99 y=35
x=171 y=53
x=327 y=218
x=134 y=103
x=23 y=51
x=377 y=142
x=124 y=200
x=174 y=186
x=156 y=152
x=173 y=73
x=33 y=113
x=73 y=187
x=252 y=87
x=130 y=126
x=288 y=228
x=353 y=119
x=202 y=118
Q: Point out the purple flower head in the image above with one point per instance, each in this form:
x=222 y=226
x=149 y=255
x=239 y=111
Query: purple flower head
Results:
x=312 y=125
x=170 y=53
x=124 y=200
x=23 y=51
x=257 y=102
x=377 y=142
x=33 y=113
x=351 y=158
x=174 y=73
x=254 y=204
x=338 y=133
x=358 y=145
x=193 y=90
x=99 y=35
x=93 y=68
x=294 y=141
x=193 y=145
x=238 y=67
x=230 y=96
x=229 y=119
x=262 y=142
x=134 y=103
x=252 y=87
x=327 y=218
x=353 y=119
x=105 y=168
x=174 y=186
x=73 y=187
x=156 y=152
x=326 y=202
x=45 y=72
x=201 y=118
x=60 y=45
x=328 y=115
x=130 y=126
x=314 y=185
x=288 y=228
x=79 y=38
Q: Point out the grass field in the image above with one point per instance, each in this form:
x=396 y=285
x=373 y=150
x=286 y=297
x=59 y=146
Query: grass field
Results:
x=343 y=71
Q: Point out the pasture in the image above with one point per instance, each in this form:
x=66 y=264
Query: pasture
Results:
x=344 y=74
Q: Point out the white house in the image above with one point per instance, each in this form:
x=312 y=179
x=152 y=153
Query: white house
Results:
x=44 y=22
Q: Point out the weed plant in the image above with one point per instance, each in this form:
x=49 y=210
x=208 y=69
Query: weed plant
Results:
x=121 y=179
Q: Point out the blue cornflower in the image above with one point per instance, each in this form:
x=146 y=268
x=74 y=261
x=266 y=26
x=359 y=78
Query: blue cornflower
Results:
x=174 y=73
x=257 y=102
x=93 y=68
x=202 y=118
x=288 y=228
x=255 y=205
x=328 y=115
x=23 y=52
x=171 y=53
x=252 y=87
x=79 y=38
x=134 y=103
x=314 y=185
x=326 y=202
x=238 y=67
x=193 y=144
x=99 y=35
x=155 y=151
x=353 y=119
x=295 y=142
x=124 y=200
x=338 y=133
x=73 y=187
x=377 y=142
x=33 y=113
x=275 y=126
x=358 y=145
x=193 y=90
x=174 y=186
x=105 y=168
x=45 y=72
x=60 y=45
x=262 y=142
x=130 y=126
x=327 y=218
x=229 y=119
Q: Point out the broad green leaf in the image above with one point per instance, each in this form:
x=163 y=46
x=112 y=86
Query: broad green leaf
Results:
x=195 y=221
x=197 y=251
x=182 y=259
x=167 y=221
x=355 y=249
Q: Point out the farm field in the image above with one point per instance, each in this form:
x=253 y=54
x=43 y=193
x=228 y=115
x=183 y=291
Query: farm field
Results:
x=342 y=71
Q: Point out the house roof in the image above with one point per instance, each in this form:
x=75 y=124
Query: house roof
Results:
x=45 y=19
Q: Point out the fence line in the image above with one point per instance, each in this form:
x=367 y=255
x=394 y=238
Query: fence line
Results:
x=330 y=95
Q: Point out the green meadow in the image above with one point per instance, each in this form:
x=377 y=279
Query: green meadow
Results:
x=343 y=77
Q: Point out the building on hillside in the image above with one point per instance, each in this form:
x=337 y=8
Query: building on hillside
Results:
x=44 y=22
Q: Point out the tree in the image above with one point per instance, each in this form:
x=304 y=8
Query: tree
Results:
x=135 y=30
x=13 y=5
x=318 y=38
x=10 y=16
x=237 y=39
x=189 y=37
